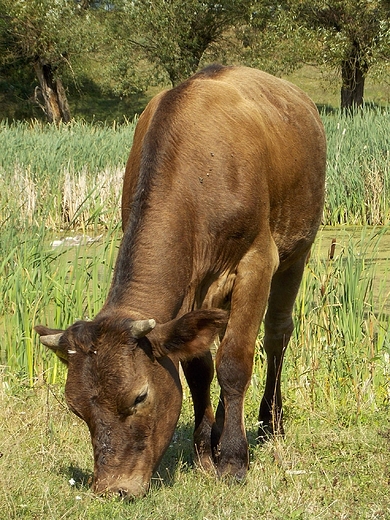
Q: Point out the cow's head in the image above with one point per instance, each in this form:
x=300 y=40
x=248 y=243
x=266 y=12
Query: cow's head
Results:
x=123 y=381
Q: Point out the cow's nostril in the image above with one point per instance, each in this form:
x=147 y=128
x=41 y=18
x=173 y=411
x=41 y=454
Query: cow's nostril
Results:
x=122 y=493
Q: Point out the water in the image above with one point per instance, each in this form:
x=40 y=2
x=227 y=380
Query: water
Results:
x=369 y=245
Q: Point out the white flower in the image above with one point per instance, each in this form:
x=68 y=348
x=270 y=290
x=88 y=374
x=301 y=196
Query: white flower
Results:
x=72 y=481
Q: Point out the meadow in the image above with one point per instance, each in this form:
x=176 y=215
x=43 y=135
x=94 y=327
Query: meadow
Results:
x=59 y=216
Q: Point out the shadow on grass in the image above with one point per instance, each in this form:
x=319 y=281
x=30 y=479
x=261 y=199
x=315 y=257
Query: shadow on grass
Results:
x=81 y=478
x=180 y=454
x=326 y=109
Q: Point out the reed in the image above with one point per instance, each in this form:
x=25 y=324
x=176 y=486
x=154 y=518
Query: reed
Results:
x=67 y=179
x=70 y=176
x=338 y=357
x=342 y=337
x=48 y=286
x=358 y=169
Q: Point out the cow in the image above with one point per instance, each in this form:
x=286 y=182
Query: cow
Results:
x=222 y=198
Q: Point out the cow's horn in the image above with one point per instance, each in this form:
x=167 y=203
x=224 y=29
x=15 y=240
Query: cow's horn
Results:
x=51 y=341
x=140 y=328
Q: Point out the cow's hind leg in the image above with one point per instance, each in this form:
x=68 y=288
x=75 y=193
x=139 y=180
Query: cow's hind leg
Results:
x=234 y=360
x=199 y=374
x=278 y=325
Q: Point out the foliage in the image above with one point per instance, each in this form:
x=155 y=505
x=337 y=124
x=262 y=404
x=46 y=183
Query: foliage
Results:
x=56 y=33
x=175 y=35
x=352 y=36
x=122 y=48
x=46 y=38
x=273 y=40
x=341 y=24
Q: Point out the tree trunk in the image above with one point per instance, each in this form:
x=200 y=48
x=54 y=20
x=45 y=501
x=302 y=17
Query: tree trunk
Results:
x=55 y=103
x=353 y=77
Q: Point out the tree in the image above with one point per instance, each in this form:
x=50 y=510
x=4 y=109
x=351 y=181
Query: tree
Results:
x=174 y=34
x=354 y=36
x=351 y=36
x=45 y=36
x=273 y=40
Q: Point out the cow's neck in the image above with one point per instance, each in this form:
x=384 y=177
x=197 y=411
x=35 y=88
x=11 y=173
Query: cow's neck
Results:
x=154 y=267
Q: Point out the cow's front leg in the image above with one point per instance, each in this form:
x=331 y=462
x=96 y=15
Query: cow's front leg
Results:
x=199 y=373
x=232 y=450
x=234 y=359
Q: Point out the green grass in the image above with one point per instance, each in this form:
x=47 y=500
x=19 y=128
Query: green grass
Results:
x=324 y=468
x=323 y=86
x=88 y=102
x=334 y=461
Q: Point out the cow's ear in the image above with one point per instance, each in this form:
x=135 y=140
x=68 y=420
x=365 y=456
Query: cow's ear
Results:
x=51 y=339
x=189 y=336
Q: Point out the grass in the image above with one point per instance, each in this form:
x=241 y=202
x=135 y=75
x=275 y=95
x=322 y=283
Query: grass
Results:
x=71 y=176
x=322 y=469
x=323 y=86
x=334 y=461
x=88 y=102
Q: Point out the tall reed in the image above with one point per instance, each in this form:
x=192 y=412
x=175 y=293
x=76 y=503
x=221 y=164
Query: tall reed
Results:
x=341 y=341
x=358 y=170
x=70 y=176
x=42 y=285
x=53 y=180
x=338 y=358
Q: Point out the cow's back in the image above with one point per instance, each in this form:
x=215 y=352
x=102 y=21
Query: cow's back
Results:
x=240 y=147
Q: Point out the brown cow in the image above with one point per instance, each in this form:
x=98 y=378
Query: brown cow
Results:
x=222 y=198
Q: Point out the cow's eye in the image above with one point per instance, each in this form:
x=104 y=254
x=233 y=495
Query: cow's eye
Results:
x=130 y=409
x=141 y=397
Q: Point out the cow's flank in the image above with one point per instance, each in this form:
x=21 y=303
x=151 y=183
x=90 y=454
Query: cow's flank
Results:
x=222 y=198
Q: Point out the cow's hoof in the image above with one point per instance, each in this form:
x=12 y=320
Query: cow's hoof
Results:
x=204 y=462
x=232 y=471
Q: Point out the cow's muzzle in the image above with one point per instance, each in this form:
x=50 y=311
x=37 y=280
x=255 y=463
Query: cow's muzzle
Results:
x=122 y=488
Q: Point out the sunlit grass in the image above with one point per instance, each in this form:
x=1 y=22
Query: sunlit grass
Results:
x=324 y=468
x=334 y=461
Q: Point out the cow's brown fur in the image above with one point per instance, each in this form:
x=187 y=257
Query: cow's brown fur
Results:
x=222 y=198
